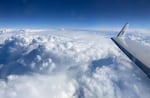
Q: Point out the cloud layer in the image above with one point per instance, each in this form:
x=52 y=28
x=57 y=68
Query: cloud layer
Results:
x=67 y=64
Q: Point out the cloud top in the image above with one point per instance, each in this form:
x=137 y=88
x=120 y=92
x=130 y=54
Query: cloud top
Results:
x=67 y=64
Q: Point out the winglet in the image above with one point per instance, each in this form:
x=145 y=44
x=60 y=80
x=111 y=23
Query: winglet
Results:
x=121 y=33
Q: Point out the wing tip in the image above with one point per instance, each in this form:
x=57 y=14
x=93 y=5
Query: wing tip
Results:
x=123 y=30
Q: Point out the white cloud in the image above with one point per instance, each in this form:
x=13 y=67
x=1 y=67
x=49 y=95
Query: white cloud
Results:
x=67 y=65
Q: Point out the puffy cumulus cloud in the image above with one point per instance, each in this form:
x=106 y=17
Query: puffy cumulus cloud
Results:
x=67 y=64
x=38 y=86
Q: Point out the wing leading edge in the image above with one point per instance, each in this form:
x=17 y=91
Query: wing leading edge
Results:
x=137 y=53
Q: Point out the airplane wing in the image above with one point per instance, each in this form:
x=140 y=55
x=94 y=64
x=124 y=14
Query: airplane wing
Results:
x=136 y=52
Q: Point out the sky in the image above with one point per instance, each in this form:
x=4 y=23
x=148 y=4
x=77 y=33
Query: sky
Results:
x=74 y=13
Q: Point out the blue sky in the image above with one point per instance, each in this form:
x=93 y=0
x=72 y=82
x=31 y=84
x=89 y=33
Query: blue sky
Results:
x=74 y=13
